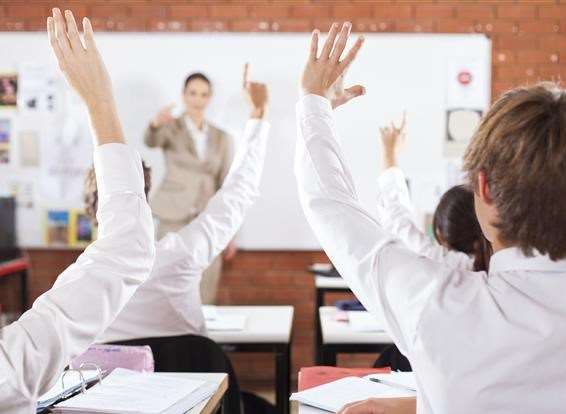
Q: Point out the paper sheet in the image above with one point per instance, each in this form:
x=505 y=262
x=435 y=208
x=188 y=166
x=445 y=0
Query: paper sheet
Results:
x=404 y=379
x=335 y=395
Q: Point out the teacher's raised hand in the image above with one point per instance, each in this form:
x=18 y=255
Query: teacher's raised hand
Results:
x=324 y=74
x=256 y=93
x=85 y=72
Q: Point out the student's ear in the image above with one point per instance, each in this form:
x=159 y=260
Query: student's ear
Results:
x=483 y=188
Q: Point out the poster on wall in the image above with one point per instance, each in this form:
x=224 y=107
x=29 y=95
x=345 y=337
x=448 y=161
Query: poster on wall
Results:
x=8 y=89
x=460 y=127
x=5 y=139
x=56 y=230
x=28 y=148
x=81 y=229
x=37 y=89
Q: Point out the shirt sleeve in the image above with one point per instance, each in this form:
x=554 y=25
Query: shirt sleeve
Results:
x=397 y=217
x=198 y=243
x=392 y=282
x=88 y=295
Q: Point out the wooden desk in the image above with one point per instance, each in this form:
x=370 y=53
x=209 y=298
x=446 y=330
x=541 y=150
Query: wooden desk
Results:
x=339 y=337
x=268 y=329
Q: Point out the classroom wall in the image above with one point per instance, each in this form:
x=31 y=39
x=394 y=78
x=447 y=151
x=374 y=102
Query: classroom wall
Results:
x=529 y=42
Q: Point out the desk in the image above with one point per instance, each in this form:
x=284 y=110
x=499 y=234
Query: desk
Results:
x=323 y=285
x=268 y=329
x=392 y=405
x=338 y=337
x=213 y=403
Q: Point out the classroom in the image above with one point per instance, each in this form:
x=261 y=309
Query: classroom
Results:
x=282 y=206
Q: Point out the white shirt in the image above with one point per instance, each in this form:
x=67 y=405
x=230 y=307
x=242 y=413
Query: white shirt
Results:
x=169 y=303
x=200 y=137
x=492 y=343
x=88 y=295
x=396 y=215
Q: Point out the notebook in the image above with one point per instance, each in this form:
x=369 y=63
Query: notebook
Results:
x=401 y=379
x=335 y=395
x=310 y=377
x=72 y=385
x=129 y=392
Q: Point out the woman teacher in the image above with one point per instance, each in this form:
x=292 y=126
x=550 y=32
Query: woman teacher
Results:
x=198 y=157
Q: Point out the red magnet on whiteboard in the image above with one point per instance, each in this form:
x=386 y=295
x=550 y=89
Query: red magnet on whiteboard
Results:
x=464 y=77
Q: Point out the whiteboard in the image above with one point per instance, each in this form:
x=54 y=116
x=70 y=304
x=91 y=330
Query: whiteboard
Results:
x=400 y=72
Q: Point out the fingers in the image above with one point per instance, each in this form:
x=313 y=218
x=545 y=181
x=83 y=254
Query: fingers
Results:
x=329 y=43
x=73 y=32
x=341 y=42
x=53 y=41
x=61 y=32
x=352 y=53
x=88 y=34
x=404 y=121
x=246 y=75
x=314 y=45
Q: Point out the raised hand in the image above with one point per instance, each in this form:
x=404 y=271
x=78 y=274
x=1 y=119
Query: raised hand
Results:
x=392 y=139
x=163 y=117
x=256 y=94
x=85 y=72
x=324 y=75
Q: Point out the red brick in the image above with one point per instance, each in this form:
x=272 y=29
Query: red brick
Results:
x=516 y=12
x=184 y=11
x=475 y=11
x=394 y=11
x=433 y=11
x=516 y=42
x=310 y=11
x=149 y=11
x=514 y=72
x=552 y=12
x=269 y=12
x=534 y=56
x=500 y=26
x=352 y=11
x=552 y=42
x=552 y=72
x=112 y=12
x=291 y=25
x=25 y=11
x=373 y=25
x=249 y=26
x=539 y=26
x=455 y=26
x=500 y=87
x=168 y=25
x=228 y=11
x=131 y=24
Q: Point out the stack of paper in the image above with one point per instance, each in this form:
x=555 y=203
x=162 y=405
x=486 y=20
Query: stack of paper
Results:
x=125 y=391
x=397 y=379
x=335 y=395
x=363 y=321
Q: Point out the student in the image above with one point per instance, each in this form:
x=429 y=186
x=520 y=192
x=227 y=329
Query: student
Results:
x=459 y=241
x=89 y=294
x=477 y=341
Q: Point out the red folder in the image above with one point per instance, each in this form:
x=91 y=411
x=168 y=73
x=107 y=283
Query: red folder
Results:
x=313 y=376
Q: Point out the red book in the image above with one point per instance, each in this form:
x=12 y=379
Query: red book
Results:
x=310 y=377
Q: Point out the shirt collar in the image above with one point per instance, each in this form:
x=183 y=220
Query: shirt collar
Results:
x=193 y=128
x=513 y=258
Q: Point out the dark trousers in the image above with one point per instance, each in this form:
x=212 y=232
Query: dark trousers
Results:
x=193 y=353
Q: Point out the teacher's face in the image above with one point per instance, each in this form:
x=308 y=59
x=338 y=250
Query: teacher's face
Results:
x=197 y=95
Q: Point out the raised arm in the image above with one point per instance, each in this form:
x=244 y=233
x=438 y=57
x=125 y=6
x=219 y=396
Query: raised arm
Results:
x=396 y=214
x=206 y=236
x=157 y=133
x=392 y=282
x=89 y=294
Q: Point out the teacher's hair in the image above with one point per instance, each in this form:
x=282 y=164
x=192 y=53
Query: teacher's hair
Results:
x=197 y=75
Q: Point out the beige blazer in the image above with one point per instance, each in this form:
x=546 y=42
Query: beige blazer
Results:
x=189 y=181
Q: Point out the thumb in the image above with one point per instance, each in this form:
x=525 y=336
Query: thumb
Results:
x=355 y=91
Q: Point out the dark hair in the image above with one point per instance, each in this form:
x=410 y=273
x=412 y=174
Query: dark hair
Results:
x=456 y=226
x=520 y=146
x=90 y=195
x=197 y=75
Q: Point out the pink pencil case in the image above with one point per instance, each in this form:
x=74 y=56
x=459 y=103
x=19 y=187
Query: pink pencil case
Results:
x=108 y=357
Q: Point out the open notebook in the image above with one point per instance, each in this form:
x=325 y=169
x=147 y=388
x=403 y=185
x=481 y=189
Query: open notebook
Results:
x=335 y=395
x=130 y=392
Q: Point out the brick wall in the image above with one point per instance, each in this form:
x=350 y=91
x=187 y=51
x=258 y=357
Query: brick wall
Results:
x=529 y=43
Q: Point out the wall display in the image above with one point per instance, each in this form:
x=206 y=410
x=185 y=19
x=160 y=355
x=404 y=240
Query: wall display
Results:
x=28 y=148
x=8 y=89
x=57 y=228
x=460 y=127
x=81 y=229
x=5 y=139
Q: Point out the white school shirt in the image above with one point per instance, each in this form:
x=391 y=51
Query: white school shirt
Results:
x=478 y=342
x=396 y=215
x=88 y=295
x=200 y=136
x=169 y=303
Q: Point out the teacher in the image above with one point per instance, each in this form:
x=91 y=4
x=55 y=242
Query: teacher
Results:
x=197 y=157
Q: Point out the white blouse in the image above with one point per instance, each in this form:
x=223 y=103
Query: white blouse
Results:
x=169 y=303
x=88 y=295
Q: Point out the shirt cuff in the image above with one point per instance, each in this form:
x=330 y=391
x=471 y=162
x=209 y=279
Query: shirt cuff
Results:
x=118 y=168
x=313 y=105
x=254 y=123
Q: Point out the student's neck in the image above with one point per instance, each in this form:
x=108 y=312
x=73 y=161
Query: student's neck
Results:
x=197 y=118
x=498 y=245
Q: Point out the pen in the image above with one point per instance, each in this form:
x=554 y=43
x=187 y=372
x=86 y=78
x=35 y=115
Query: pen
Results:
x=392 y=384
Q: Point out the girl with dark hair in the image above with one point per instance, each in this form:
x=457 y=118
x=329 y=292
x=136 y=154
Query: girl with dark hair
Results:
x=459 y=242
